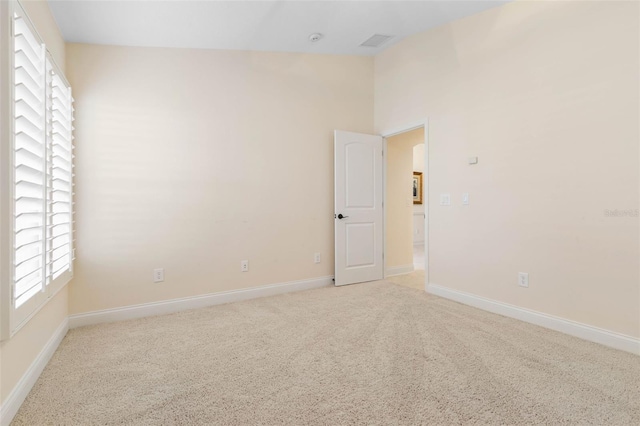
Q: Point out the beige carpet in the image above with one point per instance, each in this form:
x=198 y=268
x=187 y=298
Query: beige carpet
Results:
x=413 y=280
x=374 y=353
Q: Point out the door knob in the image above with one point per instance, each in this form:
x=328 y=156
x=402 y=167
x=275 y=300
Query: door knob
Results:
x=340 y=216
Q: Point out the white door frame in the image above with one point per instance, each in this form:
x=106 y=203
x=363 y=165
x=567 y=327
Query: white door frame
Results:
x=425 y=186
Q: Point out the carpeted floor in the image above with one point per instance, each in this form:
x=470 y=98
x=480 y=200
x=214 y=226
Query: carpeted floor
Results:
x=374 y=353
x=413 y=280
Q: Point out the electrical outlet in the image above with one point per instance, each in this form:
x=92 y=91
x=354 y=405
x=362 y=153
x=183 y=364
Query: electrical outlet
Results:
x=158 y=275
x=316 y=258
x=244 y=266
x=445 y=199
x=523 y=279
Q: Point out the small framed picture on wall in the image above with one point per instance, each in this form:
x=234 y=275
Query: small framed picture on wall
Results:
x=417 y=187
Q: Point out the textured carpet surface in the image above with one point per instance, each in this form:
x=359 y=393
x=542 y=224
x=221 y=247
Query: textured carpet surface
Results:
x=374 y=353
x=414 y=279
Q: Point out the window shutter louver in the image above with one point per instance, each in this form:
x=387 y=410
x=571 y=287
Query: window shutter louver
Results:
x=60 y=178
x=29 y=163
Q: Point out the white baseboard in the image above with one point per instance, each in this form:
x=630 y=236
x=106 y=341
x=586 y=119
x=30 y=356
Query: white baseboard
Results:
x=398 y=270
x=195 y=302
x=29 y=378
x=583 y=331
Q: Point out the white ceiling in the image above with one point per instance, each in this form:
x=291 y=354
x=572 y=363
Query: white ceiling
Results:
x=255 y=25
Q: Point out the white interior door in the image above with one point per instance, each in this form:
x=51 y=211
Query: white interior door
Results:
x=358 y=208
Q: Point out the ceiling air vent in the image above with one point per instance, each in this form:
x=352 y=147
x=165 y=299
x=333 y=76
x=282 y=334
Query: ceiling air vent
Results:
x=376 y=40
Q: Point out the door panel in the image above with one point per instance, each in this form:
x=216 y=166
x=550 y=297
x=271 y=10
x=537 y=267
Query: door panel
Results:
x=361 y=242
x=360 y=173
x=358 y=208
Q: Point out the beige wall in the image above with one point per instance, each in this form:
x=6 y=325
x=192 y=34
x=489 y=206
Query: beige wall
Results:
x=193 y=160
x=546 y=95
x=22 y=349
x=418 y=157
x=17 y=353
x=399 y=198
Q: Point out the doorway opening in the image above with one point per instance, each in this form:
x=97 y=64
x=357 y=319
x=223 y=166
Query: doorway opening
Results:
x=406 y=207
x=378 y=197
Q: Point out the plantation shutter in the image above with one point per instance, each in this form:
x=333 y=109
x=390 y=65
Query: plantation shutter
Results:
x=29 y=165
x=42 y=164
x=59 y=177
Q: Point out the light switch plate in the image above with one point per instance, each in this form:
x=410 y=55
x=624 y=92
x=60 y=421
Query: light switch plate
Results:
x=465 y=199
x=445 y=199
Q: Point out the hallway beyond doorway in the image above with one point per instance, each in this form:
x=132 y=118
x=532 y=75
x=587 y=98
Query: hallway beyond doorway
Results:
x=418 y=256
